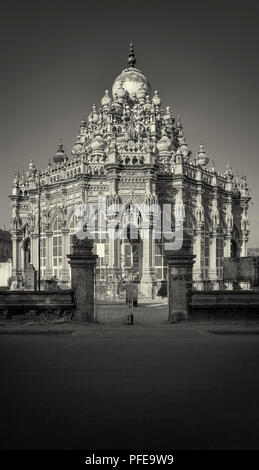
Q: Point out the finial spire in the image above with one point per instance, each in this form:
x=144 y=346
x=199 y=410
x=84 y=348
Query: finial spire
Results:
x=60 y=146
x=132 y=58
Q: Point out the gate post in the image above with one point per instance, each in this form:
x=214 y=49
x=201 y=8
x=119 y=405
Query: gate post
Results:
x=179 y=273
x=83 y=262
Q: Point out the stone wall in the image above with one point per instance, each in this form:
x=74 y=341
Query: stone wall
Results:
x=53 y=303
x=224 y=305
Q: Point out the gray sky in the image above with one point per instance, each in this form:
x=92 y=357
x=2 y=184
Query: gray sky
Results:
x=57 y=60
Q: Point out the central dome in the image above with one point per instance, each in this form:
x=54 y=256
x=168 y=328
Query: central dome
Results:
x=133 y=82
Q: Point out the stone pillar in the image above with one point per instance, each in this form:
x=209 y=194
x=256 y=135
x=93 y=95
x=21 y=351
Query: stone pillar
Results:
x=83 y=263
x=213 y=261
x=146 y=284
x=34 y=250
x=16 y=270
x=65 y=277
x=227 y=245
x=48 y=270
x=179 y=278
x=244 y=240
x=197 y=268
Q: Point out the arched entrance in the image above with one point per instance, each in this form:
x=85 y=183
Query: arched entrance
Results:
x=133 y=253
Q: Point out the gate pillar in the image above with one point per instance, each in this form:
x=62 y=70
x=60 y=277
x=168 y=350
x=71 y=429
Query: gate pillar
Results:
x=83 y=262
x=180 y=263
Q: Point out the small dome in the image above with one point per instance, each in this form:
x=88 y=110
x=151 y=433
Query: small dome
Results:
x=164 y=144
x=76 y=150
x=184 y=148
x=98 y=143
x=94 y=116
x=156 y=99
x=60 y=155
x=106 y=100
x=201 y=158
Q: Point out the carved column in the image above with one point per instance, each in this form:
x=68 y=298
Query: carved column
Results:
x=197 y=268
x=49 y=267
x=213 y=237
x=197 y=235
x=146 y=284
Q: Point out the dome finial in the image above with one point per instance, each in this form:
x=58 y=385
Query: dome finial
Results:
x=132 y=58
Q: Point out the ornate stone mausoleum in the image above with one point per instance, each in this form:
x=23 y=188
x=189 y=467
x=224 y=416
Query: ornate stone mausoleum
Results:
x=132 y=150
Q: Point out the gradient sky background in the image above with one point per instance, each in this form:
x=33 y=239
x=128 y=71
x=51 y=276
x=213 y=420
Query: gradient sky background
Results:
x=56 y=61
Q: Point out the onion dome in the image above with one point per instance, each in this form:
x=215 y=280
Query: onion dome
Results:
x=131 y=80
x=184 y=148
x=156 y=99
x=76 y=150
x=94 y=116
x=201 y=158
x=60 y=155
x=98 y=143
x=106 y=100
x=164 y=144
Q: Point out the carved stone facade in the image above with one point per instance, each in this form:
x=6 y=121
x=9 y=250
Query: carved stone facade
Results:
x=132 y=150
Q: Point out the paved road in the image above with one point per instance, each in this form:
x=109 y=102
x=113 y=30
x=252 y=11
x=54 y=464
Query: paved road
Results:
x=152 y=313
x=178 y=391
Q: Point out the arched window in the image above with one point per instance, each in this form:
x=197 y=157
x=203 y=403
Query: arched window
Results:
x=57 y=249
